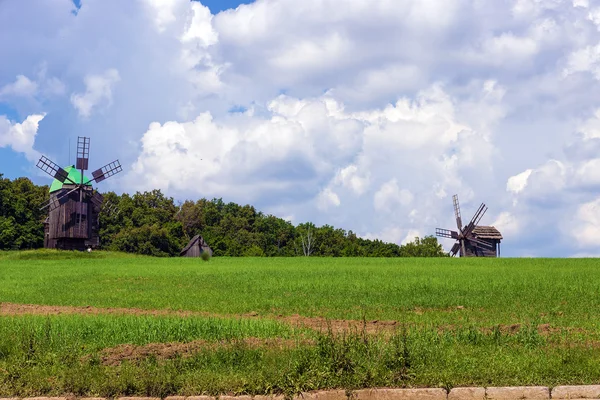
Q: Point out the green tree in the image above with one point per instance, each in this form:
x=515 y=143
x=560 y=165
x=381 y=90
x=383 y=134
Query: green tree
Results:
x=426 y=247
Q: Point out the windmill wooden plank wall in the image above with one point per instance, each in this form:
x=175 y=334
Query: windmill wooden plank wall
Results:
x=74 y=206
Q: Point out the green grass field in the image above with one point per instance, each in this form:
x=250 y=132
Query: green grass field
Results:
x=460 y=322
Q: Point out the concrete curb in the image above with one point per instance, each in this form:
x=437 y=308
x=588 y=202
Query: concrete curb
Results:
x=459 y=393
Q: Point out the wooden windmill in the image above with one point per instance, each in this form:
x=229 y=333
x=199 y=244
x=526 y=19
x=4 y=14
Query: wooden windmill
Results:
x=472 y=240
x=74 y=205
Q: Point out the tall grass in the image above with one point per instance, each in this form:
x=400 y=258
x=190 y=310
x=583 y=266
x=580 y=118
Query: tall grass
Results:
x=58 y=355
x=56 y=333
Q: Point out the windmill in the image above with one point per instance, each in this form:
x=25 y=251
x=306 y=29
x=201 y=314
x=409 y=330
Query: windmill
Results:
x=472 y=240
x=74 y=205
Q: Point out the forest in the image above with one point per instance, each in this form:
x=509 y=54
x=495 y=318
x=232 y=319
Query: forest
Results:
x=151 y=223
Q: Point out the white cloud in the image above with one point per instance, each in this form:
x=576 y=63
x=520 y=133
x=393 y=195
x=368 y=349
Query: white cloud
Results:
x=391 y=235
x=518 y=182
x=43 y=87
x=22 y=86
x=351 y=178
x=164 y=12
x=507 y=224
x=591 y=127
x=594 y=16
x=587 y=227
x=327 y=198
x=21 y=136
x=586 y=59
x=564 y=192
x=411 y=235
x=546 y=180
x=389 y=196
x=511 y=47
x=98 y=90
x=492 y=101
x=588 y=173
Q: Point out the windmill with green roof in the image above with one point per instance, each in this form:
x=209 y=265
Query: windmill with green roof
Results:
x=74 y=205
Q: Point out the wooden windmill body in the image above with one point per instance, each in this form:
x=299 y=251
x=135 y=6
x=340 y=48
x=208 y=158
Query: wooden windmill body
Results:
x=74 y=206
x=472 y=240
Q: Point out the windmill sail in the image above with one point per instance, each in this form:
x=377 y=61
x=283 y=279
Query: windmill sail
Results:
x=107 y=171
x=83 y=153
x=54 y=170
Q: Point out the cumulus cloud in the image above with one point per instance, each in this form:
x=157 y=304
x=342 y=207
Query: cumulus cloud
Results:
x=507 y=224
x=98 y=90
x=587 y=229
x=564 y=191
x=327 y=198
x=299 y=142
x=351 y=178
x=21 y=136
x=367 y=117
x=518 y=182
x=586 y=59
x=22 y=86
x=389 y=196
x=394 y=164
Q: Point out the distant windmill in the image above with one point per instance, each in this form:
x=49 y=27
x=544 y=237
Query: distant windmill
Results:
x=74 y=206
x=472 y=240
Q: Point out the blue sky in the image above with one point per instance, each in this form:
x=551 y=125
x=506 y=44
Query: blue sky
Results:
x=216 y=6
x=367 y=117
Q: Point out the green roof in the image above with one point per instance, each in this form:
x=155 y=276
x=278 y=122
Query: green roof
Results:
x=74 y=175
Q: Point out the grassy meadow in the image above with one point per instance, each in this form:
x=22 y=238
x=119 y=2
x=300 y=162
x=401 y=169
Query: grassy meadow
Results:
x=459 y=322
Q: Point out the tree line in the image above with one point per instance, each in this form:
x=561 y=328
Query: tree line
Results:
x=151 y=223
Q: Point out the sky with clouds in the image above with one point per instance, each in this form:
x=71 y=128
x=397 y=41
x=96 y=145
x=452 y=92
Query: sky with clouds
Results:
x=363 y=114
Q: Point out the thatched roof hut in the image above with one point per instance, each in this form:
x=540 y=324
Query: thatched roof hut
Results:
x=487 y=232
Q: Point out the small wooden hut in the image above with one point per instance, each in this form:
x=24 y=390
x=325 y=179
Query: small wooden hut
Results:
x=196 y=247
x=487 y=234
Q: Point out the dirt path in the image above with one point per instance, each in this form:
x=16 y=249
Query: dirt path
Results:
x=38 y=309
x=162 y=351
x=317 y=323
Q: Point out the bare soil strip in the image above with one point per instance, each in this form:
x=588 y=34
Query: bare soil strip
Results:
x=38 y=309
x=316 y=323
x=162 y=351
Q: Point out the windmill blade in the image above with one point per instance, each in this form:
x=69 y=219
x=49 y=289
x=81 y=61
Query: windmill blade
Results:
x=83 y=153
x=53 y=169
x=481 y=242
x=463 y=252
x=97 y=199
x=110 y=209
x=107 y=171
x=59 y=200
x=454 y=249
x=475 y=220
x=447 y=233
x=457 y=212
